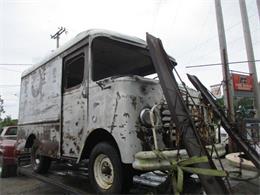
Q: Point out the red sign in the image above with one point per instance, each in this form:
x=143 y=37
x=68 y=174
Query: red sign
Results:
x=242 y=82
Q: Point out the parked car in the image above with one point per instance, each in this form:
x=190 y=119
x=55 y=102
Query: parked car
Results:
x=7 y=151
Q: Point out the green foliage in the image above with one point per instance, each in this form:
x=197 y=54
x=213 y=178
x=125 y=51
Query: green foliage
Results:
x=245 y=102
x=2 y=111
x=243 y=106
x=8 y=121
x=220 y=102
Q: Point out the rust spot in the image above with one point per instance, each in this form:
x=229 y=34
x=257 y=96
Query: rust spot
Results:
x=134 y=101
x=144 y=89
x=145 y=137
x=126 y=115
x=115 y=115
x=78 y=148
x=71 y=151
x=118 y=95
x=122 y=126
x=80 y=132
x=95 y=104
x=68 y=136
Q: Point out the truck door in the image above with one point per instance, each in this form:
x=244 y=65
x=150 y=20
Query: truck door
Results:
x=74 y=102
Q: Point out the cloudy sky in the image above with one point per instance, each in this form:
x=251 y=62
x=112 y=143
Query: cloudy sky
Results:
x=187 y=28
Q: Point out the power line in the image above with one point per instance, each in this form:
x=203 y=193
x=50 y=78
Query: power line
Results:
x=235 y=71
x=57 y=35
x=219 y=64
x=211 y=38
x=13 y=64
x=200 y=32
x=10 y=70
x=9 y=85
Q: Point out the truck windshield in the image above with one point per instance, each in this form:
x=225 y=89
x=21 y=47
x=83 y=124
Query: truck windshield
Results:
x=113 y=58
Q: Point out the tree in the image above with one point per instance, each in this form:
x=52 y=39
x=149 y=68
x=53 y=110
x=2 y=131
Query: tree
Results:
x=2 y=111
x=243 y=106
x=8 y=121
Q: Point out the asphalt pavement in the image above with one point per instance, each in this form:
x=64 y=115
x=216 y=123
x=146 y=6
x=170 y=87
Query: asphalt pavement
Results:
x=26 y=185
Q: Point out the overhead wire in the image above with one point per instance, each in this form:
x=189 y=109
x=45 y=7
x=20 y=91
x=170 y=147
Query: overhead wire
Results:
x=14 y=64
x=212 y=38
x=219 y=64
x=202 y=29
x=230 y=44
x=6 y=69
x=9 y=85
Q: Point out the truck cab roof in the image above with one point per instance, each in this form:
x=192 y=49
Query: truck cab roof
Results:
x=93 y=33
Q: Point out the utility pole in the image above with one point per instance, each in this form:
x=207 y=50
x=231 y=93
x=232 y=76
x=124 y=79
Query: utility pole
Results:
x=227 y=84
x=258 y=8
x=57 y=35
x=250 y=54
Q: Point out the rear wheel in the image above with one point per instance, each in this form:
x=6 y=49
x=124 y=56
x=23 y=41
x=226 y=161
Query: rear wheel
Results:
x=40 y=164
x=106 y=172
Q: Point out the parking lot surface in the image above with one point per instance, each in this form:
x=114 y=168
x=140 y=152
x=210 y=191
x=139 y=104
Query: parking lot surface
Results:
x=26 y=185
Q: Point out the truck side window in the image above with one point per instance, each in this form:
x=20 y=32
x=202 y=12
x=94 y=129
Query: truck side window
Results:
x=74 y=71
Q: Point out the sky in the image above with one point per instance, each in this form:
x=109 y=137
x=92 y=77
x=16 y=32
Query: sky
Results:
x=187 y=28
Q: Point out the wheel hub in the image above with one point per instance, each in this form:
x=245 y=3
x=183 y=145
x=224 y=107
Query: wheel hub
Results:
x=106 y=169
x=103 y=171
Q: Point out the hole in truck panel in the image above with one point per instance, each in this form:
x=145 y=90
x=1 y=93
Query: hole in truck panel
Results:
x=113 y=58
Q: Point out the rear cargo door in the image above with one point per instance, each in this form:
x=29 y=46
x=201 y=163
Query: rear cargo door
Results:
x=74 y=102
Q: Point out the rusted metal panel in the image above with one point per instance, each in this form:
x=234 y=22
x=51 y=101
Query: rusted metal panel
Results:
x=117 y=108
x=73 y=122
x=39 y=109
x=47 y=134
x=40 y=95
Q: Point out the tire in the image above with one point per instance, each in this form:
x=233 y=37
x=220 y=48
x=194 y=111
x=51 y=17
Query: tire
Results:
x=106 y=172
x=40 y=164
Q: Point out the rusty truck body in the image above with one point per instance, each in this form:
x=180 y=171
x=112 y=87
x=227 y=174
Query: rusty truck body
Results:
x=88 y=100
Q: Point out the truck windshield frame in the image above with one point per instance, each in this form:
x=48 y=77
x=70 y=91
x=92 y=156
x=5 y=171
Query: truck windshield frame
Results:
x=117 y=58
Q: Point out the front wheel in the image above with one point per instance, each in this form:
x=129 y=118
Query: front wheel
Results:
x=40 y=164
x=106 y=170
